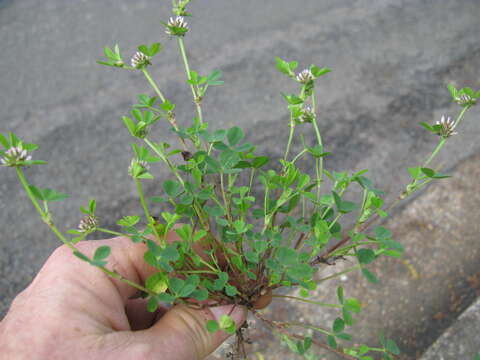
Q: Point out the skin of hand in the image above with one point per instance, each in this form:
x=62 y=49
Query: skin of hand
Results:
x=72 y=310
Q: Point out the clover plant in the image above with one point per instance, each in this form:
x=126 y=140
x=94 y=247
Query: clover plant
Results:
x=239 y=245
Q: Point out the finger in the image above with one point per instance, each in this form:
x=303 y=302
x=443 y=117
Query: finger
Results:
x=181 y=333
x=138 y=315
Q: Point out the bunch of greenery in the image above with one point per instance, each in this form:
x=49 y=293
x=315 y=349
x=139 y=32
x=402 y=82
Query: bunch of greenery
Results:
x=238 y=245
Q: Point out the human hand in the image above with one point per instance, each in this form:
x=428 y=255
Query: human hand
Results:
x=73 y=310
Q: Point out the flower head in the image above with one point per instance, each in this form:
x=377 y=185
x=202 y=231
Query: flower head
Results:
x=140 y=60
x=14 y=155
x=446 y=127
x=88 y=223
x=465 y=100
x=307 y=115
x=305 y=76
x=177 y=26
x=138 y=167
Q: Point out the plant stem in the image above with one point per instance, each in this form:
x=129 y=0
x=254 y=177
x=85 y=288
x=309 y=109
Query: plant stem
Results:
x=150 y=220
x=117 y=276
x=111 y=232
x=318 y=162
x=48 y=221
x=290 y=138
x=299 y=155
x=153 y=84
x=196 y=99
x=165 y=159
x=45 y=216
x=350 y=269
x=308 y=301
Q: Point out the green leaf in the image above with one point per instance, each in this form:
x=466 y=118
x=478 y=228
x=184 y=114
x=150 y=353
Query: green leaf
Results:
x=331 y=341
x=231 y=290
x=338 y=325
x=259 y=161
x=155 y=48
x=176 y=285
x=130 y=125
x=382 y=233
x=370 y=276
x=340 y=295
x=282 y=66
x=392 y=347
x=172 y=188
x=102 y=253
x=365 y=256
x=453 y=90
x=227 y=324
x=344 y=336
x=128 y=220
x=414 y=172
x=343 y=206
x=317 y=72
x=428 y=172
x=4 y=141
x=347 y=317
x=82 y=256
x=212 y=326
x=200 y=294
x=152 y=304
x=214 y=78
x=36 y=192
x=52 y=195
x=300 y=272
x=158 y=282
x=220 y=283
x=352 y=304
x=235 y=135
x=92 y=206
x=213 y=210
x=440 y=176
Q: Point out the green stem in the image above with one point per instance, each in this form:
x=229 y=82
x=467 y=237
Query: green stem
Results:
x=165 y=159
x=57 y=232
x=117 y=276
x=350 y=269
x=153 y=84
x=307 y=301
x=299 y=155
x=334 y=221
x=290 y=138
x=439 y=146
x=196 y=99
x=150 y=220
x=111 y=232
x=318 y=162
x=45 y=216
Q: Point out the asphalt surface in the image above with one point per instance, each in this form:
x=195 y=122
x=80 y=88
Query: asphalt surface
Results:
x=391 y=62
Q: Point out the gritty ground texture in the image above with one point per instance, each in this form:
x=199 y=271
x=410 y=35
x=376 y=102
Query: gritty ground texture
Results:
x=460 y=341
x=391 y=60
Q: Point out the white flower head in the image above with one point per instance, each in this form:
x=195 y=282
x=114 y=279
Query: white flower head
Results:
x=464 y=100
x=177 y=26
x=447 y=125
x=140 y=60
x=14 y=155
x=88 y=223
x=305 y=76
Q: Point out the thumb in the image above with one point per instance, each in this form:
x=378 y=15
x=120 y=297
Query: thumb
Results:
x=181 y=334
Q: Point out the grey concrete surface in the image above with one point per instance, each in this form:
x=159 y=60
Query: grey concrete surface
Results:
x=391 y=60
x=460 y=340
